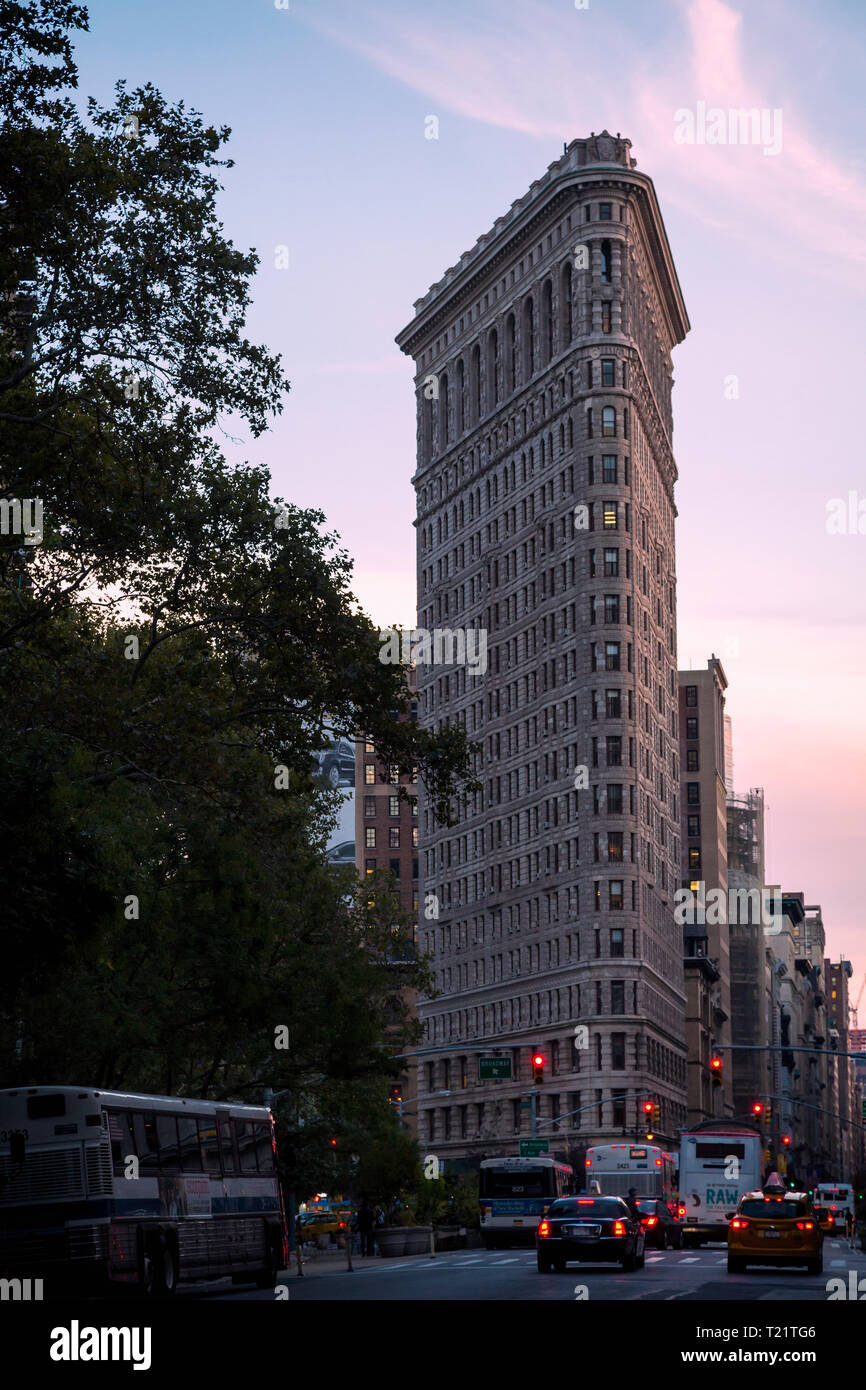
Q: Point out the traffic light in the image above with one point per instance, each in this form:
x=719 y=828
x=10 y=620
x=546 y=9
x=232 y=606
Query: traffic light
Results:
x=768 y=1113
x=647 y=1108
x=333 y=1143
x=716 y=1069
x=757 y=1109
x=656 y=1113
x=538 y=1067
x=786 y=1139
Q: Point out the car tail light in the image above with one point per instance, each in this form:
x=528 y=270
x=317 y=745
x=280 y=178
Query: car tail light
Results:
x=681 y=1211
x=739 y=1224
x=544 y=1228
x=649 y=1221
x=618 y=1228
x=805 y=1225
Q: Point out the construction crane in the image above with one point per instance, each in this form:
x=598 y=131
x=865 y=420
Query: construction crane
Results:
x=855 y=1007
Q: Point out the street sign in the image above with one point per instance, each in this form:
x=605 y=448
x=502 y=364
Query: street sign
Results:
x=531 y=1148
x=494 y=1068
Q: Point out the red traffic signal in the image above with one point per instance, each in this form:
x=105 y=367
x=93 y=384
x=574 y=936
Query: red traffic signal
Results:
x=537 y=1067
x=786 y=1139
x=333 y=1143
x=647 y=1107
x=716 y=1063
x=757 y=1109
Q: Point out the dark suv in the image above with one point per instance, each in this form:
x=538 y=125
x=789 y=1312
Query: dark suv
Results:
x=590 y=1229
x=661 y=1227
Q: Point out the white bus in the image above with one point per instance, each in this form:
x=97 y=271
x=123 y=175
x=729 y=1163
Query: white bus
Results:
x=838 y=1198
x=720 y=1160
x=113 y=1186
x=514 y=1194
x=617 y=1167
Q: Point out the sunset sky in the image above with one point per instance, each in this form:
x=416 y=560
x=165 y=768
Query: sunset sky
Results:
x=328 y=102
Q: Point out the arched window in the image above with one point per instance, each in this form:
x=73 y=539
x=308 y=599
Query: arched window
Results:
x=475 y=383
x=547 y=320
x=443 y=413
x=492 y=369
x=510 y=355
x=565 y=331
x=461 y=399
x=528 y=339
x=605 y=262
x=608 y=421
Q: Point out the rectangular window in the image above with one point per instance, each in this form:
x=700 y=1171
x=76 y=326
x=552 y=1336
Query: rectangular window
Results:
x=691 y=696
x=370 y=837
x=611 y=608
x=609 y=516
x=208 y=1133
x=369 y=805
x=166 y=1133
x=617 y=996
x=692 y=726
x=611 y=564
x=369 y=867
x=694 y=863
x=414 y=837
x=607 y=372
x=394 y=865
x=694 y=827
x=614 y=846
x=609 y=468
x=370 y=774
x=615 y=895
x=393 y=806
x=613 y=749
x=617 y=1060
x=617 y=941
x=611 y=656
x=605 y=316
x=614 y=798
x=604 y=212
x=394 y=837
x=190 y=1153
x=246 y=1138
x=693 y=793
x=613 y=704
x=122 y=1135
x=146 y=1142
x=692 y=760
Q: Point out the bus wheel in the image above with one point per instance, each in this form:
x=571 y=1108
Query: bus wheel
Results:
x=266 y=1278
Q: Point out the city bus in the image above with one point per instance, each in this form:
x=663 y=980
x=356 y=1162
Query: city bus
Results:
x=720 y=1160
x=617 y=1167
x=115 y=1187
x=838 y=1198
x=514 y=1194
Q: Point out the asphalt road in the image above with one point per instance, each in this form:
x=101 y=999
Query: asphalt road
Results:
x=669 y=1276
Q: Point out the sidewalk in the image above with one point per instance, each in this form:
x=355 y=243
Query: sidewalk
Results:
x=334 y=1262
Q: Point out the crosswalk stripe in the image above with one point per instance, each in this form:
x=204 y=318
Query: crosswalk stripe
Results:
x=689 y=1260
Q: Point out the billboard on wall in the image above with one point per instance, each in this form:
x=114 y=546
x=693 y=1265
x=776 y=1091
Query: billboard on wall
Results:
x=335 y=764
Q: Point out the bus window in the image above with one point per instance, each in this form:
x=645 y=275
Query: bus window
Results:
x=166 y=1133
x=209 y=1139
x=246 y=1146
x=227 y=1147
x=190 y=1153
x=146 y=1142
x=264 y=1147
x=122 y=1140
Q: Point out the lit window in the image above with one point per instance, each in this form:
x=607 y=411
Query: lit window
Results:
x=394 y=837
x=414 y=837
x=369 y=867
x=608 y=516
x=393 y=805
x=370 y=774
x=370 y=837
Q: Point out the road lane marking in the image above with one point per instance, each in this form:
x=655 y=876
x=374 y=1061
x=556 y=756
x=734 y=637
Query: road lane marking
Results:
x=505 y=1262
x=689 y=1260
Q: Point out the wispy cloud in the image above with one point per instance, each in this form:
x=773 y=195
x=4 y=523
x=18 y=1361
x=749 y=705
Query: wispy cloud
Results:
x=536 y=70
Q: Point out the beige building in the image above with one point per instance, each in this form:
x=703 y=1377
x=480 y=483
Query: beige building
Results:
x=706 y=945
x=545 y=523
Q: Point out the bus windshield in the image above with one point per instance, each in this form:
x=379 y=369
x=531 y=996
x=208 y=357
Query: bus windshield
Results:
x=527 y=1182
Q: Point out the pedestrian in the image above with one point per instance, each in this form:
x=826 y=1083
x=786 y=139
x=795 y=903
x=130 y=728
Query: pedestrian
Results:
x=366 y=1222
x=631 y=1203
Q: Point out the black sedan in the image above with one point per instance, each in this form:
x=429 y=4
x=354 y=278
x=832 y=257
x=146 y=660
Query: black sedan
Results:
x=661 y=1228
x=594 y=1230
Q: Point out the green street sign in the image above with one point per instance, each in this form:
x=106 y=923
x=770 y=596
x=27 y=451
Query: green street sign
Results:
x=531 y=1148
x=494 y=1068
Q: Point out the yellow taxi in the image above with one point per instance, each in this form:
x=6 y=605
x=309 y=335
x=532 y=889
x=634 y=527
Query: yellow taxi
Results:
x=827 y=1221
x=775 y=1227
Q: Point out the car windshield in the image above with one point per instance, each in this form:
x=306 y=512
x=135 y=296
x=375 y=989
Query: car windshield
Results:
x=587 y=1206
x=773 y=1210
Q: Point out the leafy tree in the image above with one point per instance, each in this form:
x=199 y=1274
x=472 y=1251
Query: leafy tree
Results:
x=175 y=639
